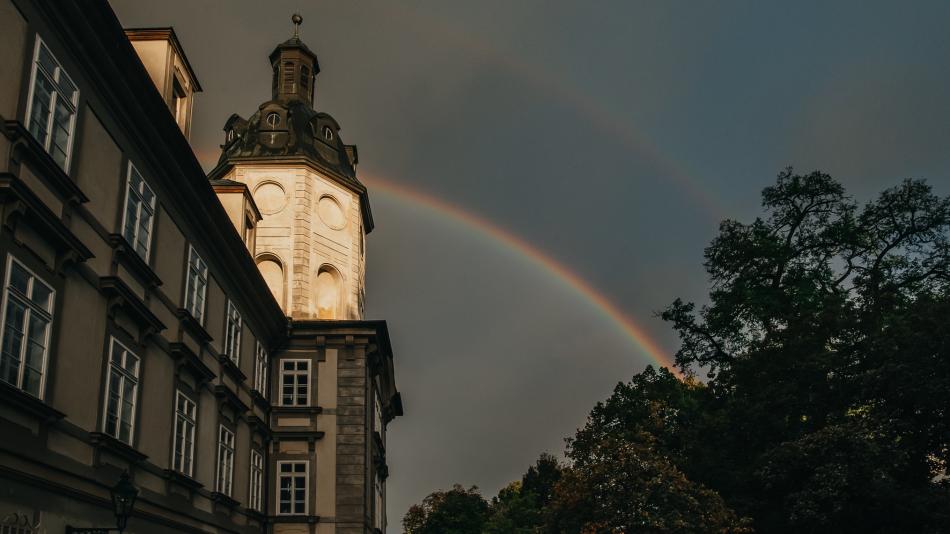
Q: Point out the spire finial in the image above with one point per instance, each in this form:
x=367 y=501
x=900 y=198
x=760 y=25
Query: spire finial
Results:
x=297 y=20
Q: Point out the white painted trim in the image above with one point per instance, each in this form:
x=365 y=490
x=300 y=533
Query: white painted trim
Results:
x=26 y=318
x=309 y=381
x=306 y=487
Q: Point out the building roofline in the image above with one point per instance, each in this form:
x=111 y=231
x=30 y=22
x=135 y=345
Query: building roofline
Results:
x=111 y=63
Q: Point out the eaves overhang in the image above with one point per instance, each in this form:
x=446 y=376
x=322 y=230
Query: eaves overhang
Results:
x=223 y=168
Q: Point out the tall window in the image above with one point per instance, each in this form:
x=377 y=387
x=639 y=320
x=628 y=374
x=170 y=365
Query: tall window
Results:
x=139 y=213
x=257 y=482
x=121 y=388
x=292 y=491
x=295 y=382
x=225 y=476
x=232 y=337
x=180 y=104
x=184 y=454
x=260 y=371
x=289 y=79
x=51 y=116
x=196 y=286
x=27 y=314
x=379 y=514
x=377 y=413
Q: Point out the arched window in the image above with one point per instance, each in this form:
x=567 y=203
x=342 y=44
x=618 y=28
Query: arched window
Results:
x=273 y=273
x=329 y=293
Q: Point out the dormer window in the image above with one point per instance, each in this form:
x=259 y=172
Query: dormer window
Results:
x=273 y=120
x=327 y=133
x=230 y=136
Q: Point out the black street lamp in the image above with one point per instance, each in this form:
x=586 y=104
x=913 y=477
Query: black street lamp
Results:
x=123 y=495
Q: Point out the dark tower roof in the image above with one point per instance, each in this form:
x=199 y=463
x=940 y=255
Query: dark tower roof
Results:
x=288 y=129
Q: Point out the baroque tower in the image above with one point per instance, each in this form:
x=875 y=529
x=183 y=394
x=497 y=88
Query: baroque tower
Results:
x=289 y=186
x=309 y=245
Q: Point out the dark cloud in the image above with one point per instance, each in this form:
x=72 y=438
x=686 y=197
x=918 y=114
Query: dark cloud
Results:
x=611 y=135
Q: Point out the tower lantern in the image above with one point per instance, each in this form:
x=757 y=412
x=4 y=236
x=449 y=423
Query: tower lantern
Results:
x=295 y=68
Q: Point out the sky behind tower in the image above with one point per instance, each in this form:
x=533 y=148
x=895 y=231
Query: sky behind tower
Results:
x=544 y=175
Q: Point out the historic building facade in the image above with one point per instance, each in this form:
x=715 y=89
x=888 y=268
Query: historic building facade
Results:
x=203 y=333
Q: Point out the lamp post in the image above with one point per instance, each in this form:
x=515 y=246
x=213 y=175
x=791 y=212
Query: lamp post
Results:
x=123 y=496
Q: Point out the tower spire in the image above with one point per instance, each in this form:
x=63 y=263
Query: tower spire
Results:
x=297 y=20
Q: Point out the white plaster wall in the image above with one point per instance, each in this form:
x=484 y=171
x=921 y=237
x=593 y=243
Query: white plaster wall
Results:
x=302 y=241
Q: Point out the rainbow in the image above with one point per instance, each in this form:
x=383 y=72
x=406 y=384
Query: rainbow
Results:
x=630 y=329
x=556 y=86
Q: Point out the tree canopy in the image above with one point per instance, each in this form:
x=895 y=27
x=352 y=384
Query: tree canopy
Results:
x=815 y=388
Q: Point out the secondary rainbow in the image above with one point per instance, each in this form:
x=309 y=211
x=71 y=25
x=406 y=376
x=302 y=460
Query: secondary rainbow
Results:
x=631 y=330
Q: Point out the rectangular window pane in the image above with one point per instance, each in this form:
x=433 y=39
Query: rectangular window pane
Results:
x=122 y=388
x=53 y=106
x=23 y=350
x=40 y=110
x=62 y=128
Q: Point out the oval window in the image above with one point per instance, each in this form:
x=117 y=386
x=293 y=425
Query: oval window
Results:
x=273 y=120
x=270 y=197
x=331 y=213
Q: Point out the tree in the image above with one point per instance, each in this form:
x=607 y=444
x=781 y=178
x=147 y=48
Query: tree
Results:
x=623 y=485
x=457 y=511
x=519 y=507
x=826 y=347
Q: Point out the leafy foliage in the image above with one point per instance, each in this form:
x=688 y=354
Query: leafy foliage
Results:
x=457 y=511
x=825 y=345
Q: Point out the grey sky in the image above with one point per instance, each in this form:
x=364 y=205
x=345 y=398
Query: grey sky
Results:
x=611 y=135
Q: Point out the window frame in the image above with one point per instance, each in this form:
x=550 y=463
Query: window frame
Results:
x=193 y=419
x=55 y=98
x=261 y=365
x=225 y=450
x=296 y=372
x=256 y=490
x=110 y=365
x=30 y=308
x=306 y=486
x=190 y=291
x=233 y=329
x=138 y=212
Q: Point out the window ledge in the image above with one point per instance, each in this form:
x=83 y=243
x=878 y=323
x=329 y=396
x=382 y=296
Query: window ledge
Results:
x=120 y=294
x=298 y=435
x=259 y=400
x=223 y=499
x=187 y=359
x=193 y=325
x=127 y=255
x=260 y=426
x=25 y=145
x=256 y=515
x=294 y=518
x=101 y=440
x=231 y=368
x=183 y=479
x=226 y=395
x=35 y=211
x=28 y=403
x=299 y=409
